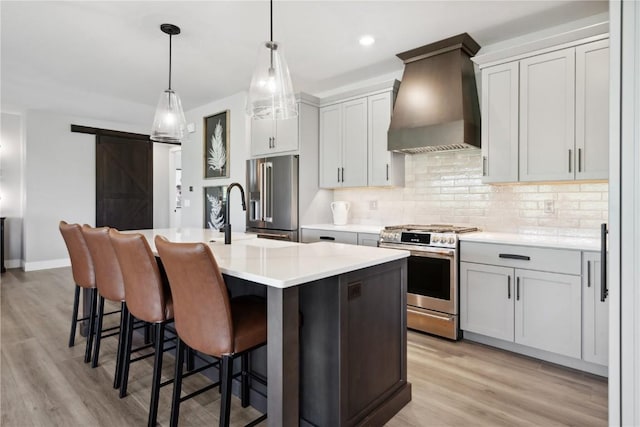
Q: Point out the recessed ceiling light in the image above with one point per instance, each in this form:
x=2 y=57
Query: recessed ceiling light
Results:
x=367 y=40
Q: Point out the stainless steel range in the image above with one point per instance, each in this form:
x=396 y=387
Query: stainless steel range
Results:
x=432 y=274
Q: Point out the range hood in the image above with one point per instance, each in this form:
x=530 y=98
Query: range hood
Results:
x=437 y=104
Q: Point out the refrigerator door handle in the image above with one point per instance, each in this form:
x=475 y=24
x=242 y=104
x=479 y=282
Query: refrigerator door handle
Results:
x=267 y=191
x=604 y=290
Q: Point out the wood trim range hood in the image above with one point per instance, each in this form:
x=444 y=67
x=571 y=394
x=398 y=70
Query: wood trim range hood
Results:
x=437 y=105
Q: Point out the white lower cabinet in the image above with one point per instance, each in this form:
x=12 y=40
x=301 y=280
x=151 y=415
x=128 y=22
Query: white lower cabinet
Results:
x=595 y=312
x=486 y=300
x=547 y=311
x=531 y=308
x=310 y=235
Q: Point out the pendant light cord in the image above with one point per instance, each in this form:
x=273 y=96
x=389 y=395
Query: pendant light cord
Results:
x=170 y=61
x=271 y=15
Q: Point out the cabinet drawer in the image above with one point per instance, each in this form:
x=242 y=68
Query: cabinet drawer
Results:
x=312 y=235
x=526 y=257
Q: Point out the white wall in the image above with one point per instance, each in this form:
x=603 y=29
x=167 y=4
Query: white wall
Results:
x=161 y=172
x=11 y=191
x=193 y=161
x=59 y=181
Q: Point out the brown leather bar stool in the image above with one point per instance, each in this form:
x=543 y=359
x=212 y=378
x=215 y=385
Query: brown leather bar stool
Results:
x=110 y=287
x=147 y=298
x=84 y=277
x=208 y=321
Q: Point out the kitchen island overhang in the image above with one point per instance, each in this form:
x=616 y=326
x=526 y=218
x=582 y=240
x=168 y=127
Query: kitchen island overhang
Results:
x=336 y=349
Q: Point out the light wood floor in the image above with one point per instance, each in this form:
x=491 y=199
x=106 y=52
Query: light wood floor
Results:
x=45 y=383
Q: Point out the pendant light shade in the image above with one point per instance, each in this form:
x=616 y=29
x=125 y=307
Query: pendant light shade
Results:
x=169 y=124
x=271 y=92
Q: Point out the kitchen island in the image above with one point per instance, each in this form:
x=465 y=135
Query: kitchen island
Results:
x=336 y=344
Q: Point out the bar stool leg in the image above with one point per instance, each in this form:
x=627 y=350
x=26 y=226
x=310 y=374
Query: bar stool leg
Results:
x=177 y=382
x=126 y=356
x=157 y=373
x=74 y=317
x=121 y=338
x=96 y=351
x=92 y=324
x=225 y=398
x=191 y=358
x=244 y=388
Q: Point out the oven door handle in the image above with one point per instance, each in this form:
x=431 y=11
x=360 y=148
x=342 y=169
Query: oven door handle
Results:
x=424 y=252
x=435 y=316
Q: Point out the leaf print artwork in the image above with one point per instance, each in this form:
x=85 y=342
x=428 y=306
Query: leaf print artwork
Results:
x=217 y=153
x=216 y=219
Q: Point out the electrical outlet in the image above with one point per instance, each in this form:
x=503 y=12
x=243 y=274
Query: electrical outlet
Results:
x=373 y=205
x=549 y=206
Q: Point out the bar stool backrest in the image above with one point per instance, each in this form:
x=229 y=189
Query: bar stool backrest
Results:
x=81 y=262
x=144 y=290
x=107 y=268
x=202 y=311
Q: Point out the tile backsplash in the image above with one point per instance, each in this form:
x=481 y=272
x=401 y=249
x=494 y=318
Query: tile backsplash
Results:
x=445 y=188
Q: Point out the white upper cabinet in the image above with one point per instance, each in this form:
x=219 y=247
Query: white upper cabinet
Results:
x=271 y=137
x=500 y=123
x=353 y=141
x=385 y=167
x=592 y=110
x=353 y=170
x=330 y=145
x=547 y=116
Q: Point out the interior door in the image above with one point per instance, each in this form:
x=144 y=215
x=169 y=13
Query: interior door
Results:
x=124 y=182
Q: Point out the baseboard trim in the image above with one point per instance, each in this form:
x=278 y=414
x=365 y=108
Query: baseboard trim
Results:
x=558 y=359
x=12 y=263
x=45 y=265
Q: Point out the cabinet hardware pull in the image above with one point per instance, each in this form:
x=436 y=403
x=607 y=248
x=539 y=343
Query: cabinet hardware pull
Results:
x=342 y=174
x=508 y=287
x=604 y=291
x=484 y=165
x=387 y=171
x=517 y=289
x=588 y=274
x=514 y=256
x=579 y=159
x=338 y=174
x=570 y=159
x=327 y=238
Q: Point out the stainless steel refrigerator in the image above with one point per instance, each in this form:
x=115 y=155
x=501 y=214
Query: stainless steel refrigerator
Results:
x=272 y=183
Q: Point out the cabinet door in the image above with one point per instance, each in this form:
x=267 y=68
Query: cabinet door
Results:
x=368 y=239
x=286 y=136
x=547 y=119
x=547 y=312
x=379 y=117
x=595 y=313
x=486 y=300
x=262 y=133
x=592 y=110
x=354 y=143
x=330 y=146
x=500 y=123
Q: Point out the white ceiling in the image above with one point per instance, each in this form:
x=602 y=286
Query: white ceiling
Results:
x=109 y=59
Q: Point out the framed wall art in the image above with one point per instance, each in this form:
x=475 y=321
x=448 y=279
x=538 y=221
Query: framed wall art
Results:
x=216 y=145
x=215 y=202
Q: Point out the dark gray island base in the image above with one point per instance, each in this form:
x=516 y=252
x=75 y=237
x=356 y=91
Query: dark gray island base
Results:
x=340 y=357
x=337 y=349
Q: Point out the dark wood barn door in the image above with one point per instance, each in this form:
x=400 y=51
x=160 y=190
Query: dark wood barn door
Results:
x=124 y=182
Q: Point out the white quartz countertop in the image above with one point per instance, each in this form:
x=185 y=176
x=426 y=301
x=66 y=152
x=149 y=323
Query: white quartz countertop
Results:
x=278 y=263
x=559 y=242
x=351 y=228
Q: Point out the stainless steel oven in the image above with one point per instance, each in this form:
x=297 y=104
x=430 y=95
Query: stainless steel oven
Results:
x=432 y=275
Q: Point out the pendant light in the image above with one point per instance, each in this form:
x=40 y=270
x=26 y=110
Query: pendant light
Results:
x=271 y=92
x=169 y=123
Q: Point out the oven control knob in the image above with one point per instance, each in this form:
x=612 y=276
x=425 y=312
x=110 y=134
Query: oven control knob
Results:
x=436 y=239
x=451 y=240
